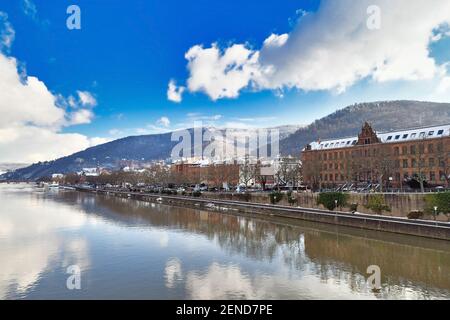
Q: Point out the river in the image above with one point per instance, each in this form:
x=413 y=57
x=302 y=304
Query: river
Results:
x=128 y=249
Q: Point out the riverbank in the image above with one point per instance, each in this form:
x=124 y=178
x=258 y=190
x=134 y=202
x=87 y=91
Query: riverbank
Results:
x=421 y=228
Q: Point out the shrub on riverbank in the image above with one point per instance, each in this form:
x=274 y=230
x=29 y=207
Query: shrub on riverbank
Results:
x=196 y=194
x=275 y=197
x=376 y=204
x=291 y=199
x=415 y=215
x=328 y=199
x=440 y=200
x=353 y=207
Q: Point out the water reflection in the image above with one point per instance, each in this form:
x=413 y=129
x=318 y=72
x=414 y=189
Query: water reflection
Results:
x=133 y=249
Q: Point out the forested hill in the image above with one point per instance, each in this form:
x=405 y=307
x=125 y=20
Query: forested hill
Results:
x=383 y=116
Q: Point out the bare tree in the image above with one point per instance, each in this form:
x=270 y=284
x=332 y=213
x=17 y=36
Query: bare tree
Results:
x=247 y=172
x=443 y=161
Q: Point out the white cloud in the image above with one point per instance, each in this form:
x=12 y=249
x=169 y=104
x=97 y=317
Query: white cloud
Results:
x=164 y=121
x=221 y=74
x=331 y=49
x=114 y=132
x=82 y=116
x=86 y=99
x=32 y=120
x=444 y=85
x=7 y=33
x=175 y=93
x=29 y=8
x=275 y=40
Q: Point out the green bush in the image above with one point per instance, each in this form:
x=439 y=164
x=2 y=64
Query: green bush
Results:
x=376 y=204
x=328 y=199
x=415 y=215
x=440 y=200
x=275 y=197
x=196 y=194
x=353 y=207
x=291 y=199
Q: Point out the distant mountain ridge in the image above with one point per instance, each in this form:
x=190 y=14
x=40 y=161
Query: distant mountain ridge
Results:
x=383 y=115
x=114 y=154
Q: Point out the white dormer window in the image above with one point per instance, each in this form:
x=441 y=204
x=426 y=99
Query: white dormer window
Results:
x=422 y=135
x=440 y=132
x=431 y=133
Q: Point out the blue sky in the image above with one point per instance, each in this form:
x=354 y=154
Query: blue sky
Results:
x=127 y=52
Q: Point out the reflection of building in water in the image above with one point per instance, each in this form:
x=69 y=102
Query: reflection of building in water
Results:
x=397 y=262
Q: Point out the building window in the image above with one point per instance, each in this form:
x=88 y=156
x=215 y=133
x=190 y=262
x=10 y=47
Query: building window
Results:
x=397 y=137
x=396 y=151
x=430 y=148
x=432 y=176
x=421 y=148
x=413 y=135
x=422 y=163
x=440 y=132
x=404 y=150
x=325 y=156
x=405 y=163
x=336 y=177
x=431 y=133
x=389 y=138
x=413 y=149
x=440 y=147
x=413 y=163
x=422 y=135
x=405 y=136
x=431 y=162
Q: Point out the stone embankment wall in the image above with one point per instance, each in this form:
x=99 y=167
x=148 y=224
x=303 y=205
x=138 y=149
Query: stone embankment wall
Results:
x=400 y=203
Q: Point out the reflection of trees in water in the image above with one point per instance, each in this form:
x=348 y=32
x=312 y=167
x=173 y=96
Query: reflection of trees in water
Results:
x=398 y=263
x=330 y=255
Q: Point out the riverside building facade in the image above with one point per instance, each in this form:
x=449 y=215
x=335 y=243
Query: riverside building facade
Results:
x=389 y=159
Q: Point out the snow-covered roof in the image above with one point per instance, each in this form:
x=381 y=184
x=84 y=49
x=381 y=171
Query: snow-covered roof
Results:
x=387 y=137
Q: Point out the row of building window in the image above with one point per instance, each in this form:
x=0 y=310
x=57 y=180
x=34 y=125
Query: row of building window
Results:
x=406 y=163
x=412 y=150
x=432 y=176
x=397 y=137
x=414 y=135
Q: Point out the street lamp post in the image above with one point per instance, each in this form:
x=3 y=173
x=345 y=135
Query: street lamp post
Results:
x=335 y=204
x=435 y=212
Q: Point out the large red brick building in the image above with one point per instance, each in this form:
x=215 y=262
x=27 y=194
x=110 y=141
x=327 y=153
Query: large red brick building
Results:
x=389 y=158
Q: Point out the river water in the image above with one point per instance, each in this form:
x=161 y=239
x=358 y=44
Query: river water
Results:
x=127 y=249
